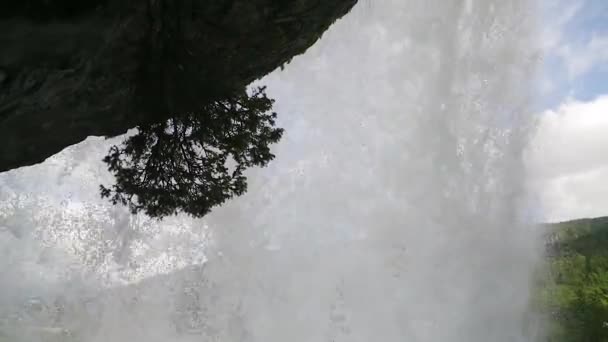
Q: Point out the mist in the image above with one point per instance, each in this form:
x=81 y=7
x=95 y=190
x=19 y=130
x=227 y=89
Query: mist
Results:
x=395 y=210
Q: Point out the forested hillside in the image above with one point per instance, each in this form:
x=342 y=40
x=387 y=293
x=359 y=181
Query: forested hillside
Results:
x=572 y=283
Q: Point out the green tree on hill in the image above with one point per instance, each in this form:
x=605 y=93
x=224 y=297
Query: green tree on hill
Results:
x=573 y=290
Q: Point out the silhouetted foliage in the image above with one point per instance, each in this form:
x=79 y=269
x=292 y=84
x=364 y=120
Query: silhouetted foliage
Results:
x=193 y=162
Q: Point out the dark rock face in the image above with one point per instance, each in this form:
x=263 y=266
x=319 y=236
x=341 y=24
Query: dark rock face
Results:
x=72 y=69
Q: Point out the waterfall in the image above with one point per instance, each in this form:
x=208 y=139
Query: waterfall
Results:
x=392 y=212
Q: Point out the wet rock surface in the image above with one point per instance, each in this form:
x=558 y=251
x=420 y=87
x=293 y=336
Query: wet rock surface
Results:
x=70 y=70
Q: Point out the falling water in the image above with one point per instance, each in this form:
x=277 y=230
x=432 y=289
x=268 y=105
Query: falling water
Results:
x=393 y=211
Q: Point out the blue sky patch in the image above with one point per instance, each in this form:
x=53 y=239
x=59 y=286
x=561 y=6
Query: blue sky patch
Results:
x=576 y=55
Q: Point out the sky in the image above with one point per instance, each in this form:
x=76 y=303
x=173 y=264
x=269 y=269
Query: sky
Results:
x=568 y=155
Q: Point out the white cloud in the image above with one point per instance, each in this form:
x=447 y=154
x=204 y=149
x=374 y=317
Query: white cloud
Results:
x=568 y=160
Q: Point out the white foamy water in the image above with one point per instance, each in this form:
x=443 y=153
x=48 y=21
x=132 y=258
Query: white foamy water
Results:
x=393 y=211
